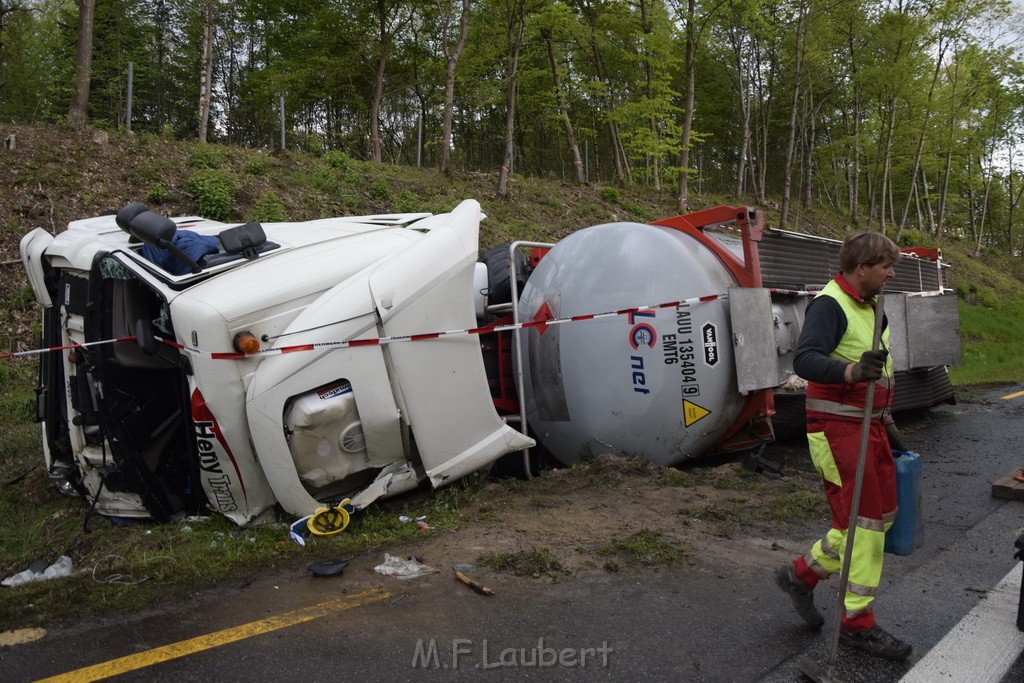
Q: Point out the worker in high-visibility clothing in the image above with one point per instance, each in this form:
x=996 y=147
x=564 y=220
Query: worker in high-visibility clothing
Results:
x=834 y=355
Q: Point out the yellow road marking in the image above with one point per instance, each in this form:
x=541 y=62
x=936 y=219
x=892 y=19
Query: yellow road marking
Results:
x=229 y=635
x=1013 y=395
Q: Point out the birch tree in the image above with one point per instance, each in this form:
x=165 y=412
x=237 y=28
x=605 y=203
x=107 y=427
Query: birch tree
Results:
x=206 y=77
x=515 y=25
x=802 y=21
x=451 y=57
x=78 y=111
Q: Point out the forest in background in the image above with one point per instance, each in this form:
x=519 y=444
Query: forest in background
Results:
x=896 y=114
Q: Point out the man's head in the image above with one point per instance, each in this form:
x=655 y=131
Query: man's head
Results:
x=866 y=259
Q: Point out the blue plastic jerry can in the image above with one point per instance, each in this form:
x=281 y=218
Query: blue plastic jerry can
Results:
x=907 y=532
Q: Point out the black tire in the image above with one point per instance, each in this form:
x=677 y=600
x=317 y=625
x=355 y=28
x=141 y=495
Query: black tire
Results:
x=499 y=280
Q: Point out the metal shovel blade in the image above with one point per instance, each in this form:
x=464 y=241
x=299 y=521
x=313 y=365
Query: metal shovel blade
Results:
x=814 y=671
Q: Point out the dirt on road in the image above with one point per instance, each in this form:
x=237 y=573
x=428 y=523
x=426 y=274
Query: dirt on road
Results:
x=612 y=514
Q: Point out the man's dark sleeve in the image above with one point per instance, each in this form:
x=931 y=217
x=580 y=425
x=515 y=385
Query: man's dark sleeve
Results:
x=824 y=326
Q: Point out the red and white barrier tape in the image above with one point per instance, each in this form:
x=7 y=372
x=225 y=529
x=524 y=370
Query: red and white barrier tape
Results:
x=68 y=347
x=397 y=339
x=379 y=341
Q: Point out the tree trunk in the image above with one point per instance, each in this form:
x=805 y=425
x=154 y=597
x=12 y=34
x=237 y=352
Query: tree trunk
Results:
x=654 y=160
x=563 y=110
x=987 y=176
x=870 y=182
x=787 y=178
x=452 y=60
x=855 y=180
x=740 y=81
x=515 y=28
x=384 y=37
x=887 y=164
x=954 y=81
x=78 y=112
x=945 y=192
x=162 y=21
x=972 y=211
x=206 y=77
x=917 y=204
x=927 y=201
x=807 y=196
x=1014 y=201
x=765 y=101
x=375 y=99
x=684 y=143
x=613 y=130
x=920 y=139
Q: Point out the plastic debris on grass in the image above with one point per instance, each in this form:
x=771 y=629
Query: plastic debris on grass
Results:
x=405 y=519
x=299 y=530
x=59 y=569
x=421 y=522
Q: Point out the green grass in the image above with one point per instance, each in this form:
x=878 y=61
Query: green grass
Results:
x=718 y=512
x=740 y=480
x=537 y=562
x=119 y=569
x=991 y=345
x=18 y=434
x=795 y=502
x=645 y=547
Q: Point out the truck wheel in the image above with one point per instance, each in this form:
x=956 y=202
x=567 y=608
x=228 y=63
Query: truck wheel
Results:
x=499 y=280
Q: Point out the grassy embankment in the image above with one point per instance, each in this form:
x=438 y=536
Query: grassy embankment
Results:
x=990 y=290
x=57 y=176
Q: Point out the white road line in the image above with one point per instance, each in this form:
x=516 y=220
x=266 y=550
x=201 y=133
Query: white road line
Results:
x=983 y=646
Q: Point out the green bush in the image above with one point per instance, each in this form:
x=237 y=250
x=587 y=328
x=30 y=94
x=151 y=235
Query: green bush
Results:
x=157 y=193
x=641 y=213
x=212 y=190
x=609 y=194
x=408 y=202
x=258 y=164
x=269 y=208
x=207 y=156
x=380 y=190
x=310 y=143
x=337 y=159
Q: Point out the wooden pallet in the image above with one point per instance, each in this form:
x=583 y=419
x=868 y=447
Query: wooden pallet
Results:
x=1009 y=486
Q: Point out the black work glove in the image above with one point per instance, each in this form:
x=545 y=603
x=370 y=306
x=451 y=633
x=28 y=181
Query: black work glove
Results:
x=895 y=438
x=870 y=366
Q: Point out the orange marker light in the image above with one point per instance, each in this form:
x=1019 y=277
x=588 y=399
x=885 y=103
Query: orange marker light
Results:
x=246 y=342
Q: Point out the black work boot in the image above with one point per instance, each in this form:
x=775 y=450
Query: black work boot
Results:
x=876 y=641
x=802 y=596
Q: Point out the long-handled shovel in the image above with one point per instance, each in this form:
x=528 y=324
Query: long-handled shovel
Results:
x=807 y=666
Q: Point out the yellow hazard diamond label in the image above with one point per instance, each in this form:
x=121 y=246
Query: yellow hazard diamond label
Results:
x=693 y=412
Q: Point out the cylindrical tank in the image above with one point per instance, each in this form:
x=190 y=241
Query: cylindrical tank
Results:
x=658 y=384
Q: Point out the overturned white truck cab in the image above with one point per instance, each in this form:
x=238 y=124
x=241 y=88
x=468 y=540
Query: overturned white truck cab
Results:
x=301 y=364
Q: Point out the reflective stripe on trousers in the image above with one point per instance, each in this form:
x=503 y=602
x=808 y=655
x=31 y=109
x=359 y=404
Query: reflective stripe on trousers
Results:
x=826 y=558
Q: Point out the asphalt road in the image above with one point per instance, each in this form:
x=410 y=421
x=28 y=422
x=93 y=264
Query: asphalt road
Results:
x=701 y=622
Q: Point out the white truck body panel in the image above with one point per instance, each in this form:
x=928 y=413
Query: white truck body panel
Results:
x=147 y=426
